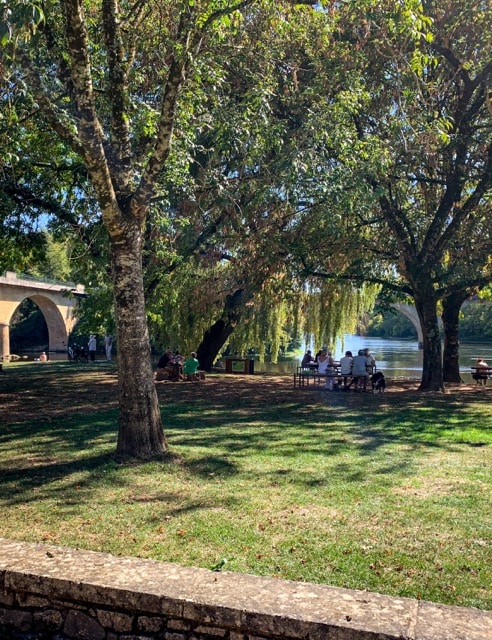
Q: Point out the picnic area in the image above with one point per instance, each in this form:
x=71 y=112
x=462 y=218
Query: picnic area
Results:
x=387 y=492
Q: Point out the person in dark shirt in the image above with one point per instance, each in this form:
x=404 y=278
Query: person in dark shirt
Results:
x=165 y=370
x=165 y=359
x=307 y=359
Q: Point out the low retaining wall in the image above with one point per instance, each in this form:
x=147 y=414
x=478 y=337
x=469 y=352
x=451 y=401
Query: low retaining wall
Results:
x=68 y=593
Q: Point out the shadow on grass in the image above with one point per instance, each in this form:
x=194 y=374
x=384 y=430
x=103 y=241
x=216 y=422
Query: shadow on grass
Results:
x=57 y=440
x=21 y=486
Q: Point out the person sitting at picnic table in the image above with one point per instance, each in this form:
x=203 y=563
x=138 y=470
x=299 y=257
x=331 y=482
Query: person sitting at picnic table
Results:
x=166 y=369
x=370 y=361
x=326 y=367
x=359 y=370
x=346 y=368
x=307 y=359
x=177 y=361
x=190 y=368
x=481 y=371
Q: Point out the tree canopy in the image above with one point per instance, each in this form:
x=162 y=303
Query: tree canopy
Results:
x=245 y=171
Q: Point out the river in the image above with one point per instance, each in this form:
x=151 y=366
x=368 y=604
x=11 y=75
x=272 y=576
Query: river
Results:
x=396 y=358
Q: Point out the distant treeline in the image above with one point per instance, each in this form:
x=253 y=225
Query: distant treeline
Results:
x=475 y=324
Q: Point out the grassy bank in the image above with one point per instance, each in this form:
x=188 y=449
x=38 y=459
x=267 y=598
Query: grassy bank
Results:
x=389 y=493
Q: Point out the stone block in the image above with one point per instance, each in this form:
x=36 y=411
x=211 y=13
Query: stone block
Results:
x=149 y=624
x=114 y=620
x=49 y=619
x=178 y=625
x=82 y=627
x=439 y=622
x=211 y=632
x=6 y=597
x=19 y=619
x=33 y=601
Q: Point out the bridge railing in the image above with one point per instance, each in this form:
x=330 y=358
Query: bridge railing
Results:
x=26 y=276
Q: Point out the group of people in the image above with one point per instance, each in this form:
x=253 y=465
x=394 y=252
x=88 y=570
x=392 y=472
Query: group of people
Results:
x=92 y=347
x=175 y=367
x=354 y=370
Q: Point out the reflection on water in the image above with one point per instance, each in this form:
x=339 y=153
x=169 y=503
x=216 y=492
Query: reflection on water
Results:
x=397 y=358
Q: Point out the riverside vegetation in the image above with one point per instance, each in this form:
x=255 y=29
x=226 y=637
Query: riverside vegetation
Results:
x=389 y=493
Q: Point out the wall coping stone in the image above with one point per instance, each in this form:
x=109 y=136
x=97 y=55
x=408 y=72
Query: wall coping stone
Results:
x=242 y=603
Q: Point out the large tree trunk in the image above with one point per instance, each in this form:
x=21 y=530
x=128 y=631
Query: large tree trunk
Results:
x=140 y=433
x=451 y=306
x=217 y=335
x=426 y=305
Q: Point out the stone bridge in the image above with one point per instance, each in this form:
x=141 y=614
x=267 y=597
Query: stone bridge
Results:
x=55 y=301
x=410 y=312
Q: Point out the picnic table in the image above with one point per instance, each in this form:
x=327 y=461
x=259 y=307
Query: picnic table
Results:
x=307 y=374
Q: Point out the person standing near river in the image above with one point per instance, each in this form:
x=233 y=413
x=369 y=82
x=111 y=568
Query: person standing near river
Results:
x=92 y=346
x=108 y=346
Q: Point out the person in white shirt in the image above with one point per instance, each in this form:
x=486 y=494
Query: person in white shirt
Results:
x=359 y=371
x=346 y=367
x=370 y=362
x=108 y=345
x=326 y=366
x=92 y=346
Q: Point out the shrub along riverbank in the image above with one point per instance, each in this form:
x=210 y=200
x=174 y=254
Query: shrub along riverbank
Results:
x=389 y=493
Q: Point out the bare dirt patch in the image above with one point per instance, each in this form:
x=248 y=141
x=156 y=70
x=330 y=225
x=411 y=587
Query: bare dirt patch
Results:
x=49 y=393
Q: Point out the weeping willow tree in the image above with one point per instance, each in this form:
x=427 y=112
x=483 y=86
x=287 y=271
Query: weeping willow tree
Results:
x=185 y=303
x=271 y=316
x=331 y=309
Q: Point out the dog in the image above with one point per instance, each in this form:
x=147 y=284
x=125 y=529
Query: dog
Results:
x=77 y=354
x=378 y=382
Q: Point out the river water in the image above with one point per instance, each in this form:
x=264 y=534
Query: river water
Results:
x=396 y=358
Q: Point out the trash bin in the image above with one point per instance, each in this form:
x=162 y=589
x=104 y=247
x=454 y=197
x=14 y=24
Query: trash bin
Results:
x=240 y=365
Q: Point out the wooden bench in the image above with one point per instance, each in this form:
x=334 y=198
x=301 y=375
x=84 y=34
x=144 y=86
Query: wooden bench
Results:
x=481 y=374
x=304 y=375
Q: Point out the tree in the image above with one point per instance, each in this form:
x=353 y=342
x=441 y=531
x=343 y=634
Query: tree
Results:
x=468 y=271
x=110 y=81
x=439 y=178
x=420 y=140
x=254 y=170
x=115 y=103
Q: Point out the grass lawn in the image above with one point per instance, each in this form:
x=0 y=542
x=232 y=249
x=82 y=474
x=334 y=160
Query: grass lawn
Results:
x=390 y=493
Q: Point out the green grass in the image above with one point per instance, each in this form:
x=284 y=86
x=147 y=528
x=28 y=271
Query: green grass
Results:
x=387 y=493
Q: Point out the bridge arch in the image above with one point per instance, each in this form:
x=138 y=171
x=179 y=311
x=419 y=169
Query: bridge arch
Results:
x=410 y=312
x=56 y=302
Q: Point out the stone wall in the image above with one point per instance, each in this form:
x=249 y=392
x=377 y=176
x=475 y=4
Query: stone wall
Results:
x=55 y=593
